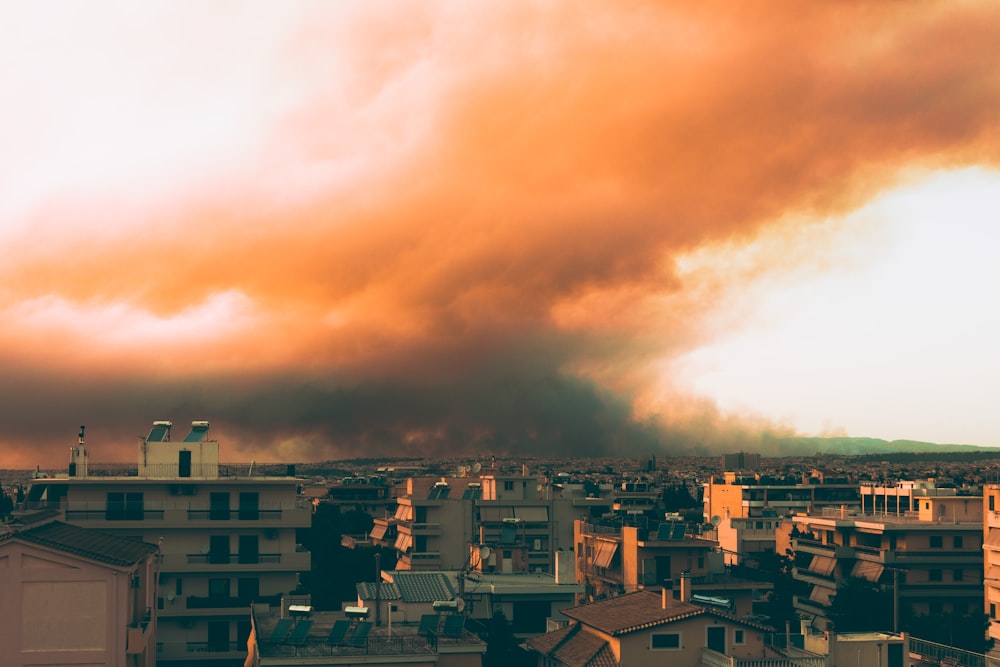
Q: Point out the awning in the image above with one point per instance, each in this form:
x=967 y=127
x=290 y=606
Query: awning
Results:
x=822 y=565
x=532 y=513
x=403 y=542
x=508 y=533
x=821 y=594
x=993 y=538
x=495 y=513
x=993 y=572
x=404 y=512
x=867 y=570
x=378 y=531
x=605 y=552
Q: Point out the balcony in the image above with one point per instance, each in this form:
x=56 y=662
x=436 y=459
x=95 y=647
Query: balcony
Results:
x=201 y=651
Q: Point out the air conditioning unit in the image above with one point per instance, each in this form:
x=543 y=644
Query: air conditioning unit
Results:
x=271 y=533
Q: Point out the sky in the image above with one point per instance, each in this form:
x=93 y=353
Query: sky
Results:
x=382 y=228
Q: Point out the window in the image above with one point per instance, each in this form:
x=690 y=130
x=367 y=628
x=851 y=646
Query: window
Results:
x=993 y=610
x=739 y=637
x=957 y=574
x=956 y=541
x=933 y=575
x=935 y=607
x=992 y=503
x=249 y=506
x=665 y=641
x=249 y=549
x=218 y=506
x=508 y=485
x=936 y=542
x=218 y=588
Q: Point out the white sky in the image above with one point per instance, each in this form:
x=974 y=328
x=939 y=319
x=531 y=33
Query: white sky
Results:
x=897 y=339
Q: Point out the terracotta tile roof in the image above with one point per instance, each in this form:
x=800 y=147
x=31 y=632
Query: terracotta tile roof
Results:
x=637 y=611
x=574 y=647
x=388 y=591
x=85 y=542
x=633 y=611
x=424 y=586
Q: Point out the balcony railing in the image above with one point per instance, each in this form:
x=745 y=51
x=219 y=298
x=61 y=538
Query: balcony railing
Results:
x=233 y=559
x=711 y=658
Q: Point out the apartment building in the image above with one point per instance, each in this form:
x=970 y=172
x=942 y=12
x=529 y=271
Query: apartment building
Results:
x=73 y=596
x=614 y=558
x=991 y=560
x=900 y=497
x=520 y=520
x=226 y=534
x=740 y=496
x=933 y=556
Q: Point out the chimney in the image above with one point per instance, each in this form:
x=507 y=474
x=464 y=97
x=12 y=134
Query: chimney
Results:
x=685 y=586
x=667 y=594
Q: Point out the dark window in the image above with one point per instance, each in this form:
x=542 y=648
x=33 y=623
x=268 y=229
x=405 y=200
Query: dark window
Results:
x=218 y=549
x=178 y=587
x=933 y=575
x=957 y=574
x=218 y=588
x=218 y=506
x=249 y=549
x=936 y=542
x=508 y=485
x=134 y=508
x=992 y=503
x=115 y=508
x=956 y=541
x=665 y=640
x=184 y=463
x=249 y=506
x=218 y=636
x=248 y=589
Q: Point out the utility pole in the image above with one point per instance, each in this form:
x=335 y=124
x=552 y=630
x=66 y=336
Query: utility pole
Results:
x=378 y=589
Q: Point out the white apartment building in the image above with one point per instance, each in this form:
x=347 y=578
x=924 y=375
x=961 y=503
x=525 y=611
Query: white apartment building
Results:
x=226 y=534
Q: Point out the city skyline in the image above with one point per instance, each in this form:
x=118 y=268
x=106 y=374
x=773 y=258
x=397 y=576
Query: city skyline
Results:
x=332 y=228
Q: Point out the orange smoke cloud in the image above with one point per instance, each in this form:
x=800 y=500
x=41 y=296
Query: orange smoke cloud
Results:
x=457 y=228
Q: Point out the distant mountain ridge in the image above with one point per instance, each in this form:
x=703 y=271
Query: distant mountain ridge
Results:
x=805 y=446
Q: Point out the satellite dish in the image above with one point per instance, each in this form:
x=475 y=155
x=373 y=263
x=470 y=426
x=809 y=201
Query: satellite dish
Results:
x=484 y=552
x=171 y=595
x=477 y=466
x=205 y=549
x=539 y=487
x=716 y=520
x=460 y=604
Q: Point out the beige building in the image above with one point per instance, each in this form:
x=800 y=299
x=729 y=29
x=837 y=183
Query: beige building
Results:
x=226 y=534
x=991 y=560
x=744 y=539
x=612 y=559
x=739 y=496
x=934 y=555
x=72 y=596
x=522 y=521
x=651 y=629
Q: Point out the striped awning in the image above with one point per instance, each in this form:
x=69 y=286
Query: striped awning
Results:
x=378 y=531
x=867 y=570
x=822 y=565
x=821 y=594
x=605 y=552
x=403 y=542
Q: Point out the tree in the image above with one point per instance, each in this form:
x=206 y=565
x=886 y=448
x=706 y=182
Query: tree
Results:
x=861 y=606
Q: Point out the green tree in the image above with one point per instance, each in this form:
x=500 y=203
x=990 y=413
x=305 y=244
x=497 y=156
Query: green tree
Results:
x=861 y=606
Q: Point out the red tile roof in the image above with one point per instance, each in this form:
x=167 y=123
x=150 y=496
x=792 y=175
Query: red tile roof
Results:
x=637 y=611
x=572 y=647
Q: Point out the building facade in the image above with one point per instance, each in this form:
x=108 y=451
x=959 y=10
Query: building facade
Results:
x=226 y=534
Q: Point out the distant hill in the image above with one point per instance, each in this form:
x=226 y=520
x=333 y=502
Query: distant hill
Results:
x=803 y=446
